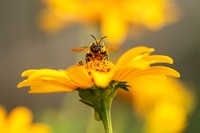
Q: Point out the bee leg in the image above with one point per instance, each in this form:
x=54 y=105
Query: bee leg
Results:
x=104 y=55
x=80 y=63
x=88 y=57
x=87 y=60
x=107 y=55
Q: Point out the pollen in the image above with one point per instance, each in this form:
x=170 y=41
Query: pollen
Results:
x=99 y=66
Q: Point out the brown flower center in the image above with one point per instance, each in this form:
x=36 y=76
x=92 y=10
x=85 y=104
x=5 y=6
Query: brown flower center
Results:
x=99 y=66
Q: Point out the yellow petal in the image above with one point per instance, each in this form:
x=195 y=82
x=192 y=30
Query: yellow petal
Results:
x=28 y=72
x=158 y=70
x=50 y=22
x=39 y=128
x=130 y=68
x=56 y=81
x=80 y=76
x=125 y=72
x=131 y=78
x=102 y=79
x=114 y=26
x=131 y=54
x=2 y=119
x=59 y=75
x=121 y=73
x=137 y=64
x=69 y=82
x=41 y=81
x=159 y=59
x=23 y=84
x=49 y=88
x=19 y=120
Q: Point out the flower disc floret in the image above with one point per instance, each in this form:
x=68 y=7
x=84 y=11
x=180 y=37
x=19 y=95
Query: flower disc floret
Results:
x=100 y=66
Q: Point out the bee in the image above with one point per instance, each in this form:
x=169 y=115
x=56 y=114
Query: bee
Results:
x=96 y=51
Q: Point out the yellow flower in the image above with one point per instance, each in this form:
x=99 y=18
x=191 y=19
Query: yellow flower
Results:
x=166 y=117
x=171 y=108
x=114 y=16
x=165 y=106
x=19 y=120
x=133 y=66
x=98 y=81
x=146 y=96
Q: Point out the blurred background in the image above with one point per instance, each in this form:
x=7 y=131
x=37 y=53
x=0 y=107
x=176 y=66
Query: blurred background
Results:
x=25 y=43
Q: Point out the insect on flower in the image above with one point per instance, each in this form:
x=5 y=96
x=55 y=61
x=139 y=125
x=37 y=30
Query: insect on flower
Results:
x=96 y=51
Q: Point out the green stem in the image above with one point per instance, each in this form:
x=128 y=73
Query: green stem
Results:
x=103 y=108
x=101 y=99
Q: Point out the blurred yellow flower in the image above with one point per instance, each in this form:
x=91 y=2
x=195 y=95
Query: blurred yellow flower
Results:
x=165 y=106
x=114 y=16
x=166 y=117
x=19 y=120
x=133 y=66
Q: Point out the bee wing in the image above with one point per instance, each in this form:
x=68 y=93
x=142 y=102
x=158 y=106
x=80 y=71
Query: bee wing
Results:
x=80 y=49
x=111 y=48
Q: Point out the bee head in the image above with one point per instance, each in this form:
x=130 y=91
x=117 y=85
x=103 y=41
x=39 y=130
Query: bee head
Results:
x=97 y=45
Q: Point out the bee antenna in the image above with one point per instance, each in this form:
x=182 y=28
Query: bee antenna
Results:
x=94 y=38
x=102 y=38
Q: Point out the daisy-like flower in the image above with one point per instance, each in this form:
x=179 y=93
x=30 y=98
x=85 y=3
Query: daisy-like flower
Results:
x=166 y=117
x=164 y=106
x=19 y=120
x=113 y=17
x=98 y=81
x=132 y=65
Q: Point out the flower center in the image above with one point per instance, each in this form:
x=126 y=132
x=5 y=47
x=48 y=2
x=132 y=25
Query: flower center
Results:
x=99 y=66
